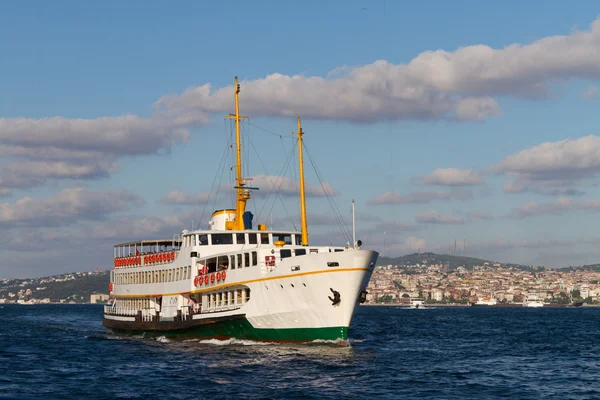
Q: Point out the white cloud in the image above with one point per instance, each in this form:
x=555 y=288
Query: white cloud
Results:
x=452 y=177
x=179 y=197
x=421 y=197
x=114 y=135
x=66 y=207
x=552 y=168
x=481 y=215
x=591 y=92
x=434 y=85
x=418 y=197
x=36 y=150
x=433 y=217
x=556 y=207
x=284 y=186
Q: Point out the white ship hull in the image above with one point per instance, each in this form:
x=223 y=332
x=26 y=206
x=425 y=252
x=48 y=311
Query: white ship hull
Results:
x=294 y=301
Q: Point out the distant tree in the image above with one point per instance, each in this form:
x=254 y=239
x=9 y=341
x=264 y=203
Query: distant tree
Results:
x=384 y=299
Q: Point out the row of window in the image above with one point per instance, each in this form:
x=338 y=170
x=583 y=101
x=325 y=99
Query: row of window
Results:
x=225 y=299
x=160 y=276
x=248 y=259
x=240 y=238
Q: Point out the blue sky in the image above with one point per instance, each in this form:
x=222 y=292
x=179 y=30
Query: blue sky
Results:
x=443 y=120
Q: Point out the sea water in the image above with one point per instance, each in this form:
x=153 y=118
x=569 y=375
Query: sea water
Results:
x=64 y=352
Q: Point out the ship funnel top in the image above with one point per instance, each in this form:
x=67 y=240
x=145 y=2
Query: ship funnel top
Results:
x=220 y=218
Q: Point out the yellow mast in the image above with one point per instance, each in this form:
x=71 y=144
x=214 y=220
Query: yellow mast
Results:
x=243 y=194
x=302 y=194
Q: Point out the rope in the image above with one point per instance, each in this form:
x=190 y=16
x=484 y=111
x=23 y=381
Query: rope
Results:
x=336 y=212
x=221 y=163
x=273 y=185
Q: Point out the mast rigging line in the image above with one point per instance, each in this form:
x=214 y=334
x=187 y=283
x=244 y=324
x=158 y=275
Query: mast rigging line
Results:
x=275 y=186
x=268 y=131
x=221 y=165
x=336 y=212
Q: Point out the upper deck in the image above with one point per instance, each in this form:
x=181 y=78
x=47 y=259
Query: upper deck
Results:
x=207 y=242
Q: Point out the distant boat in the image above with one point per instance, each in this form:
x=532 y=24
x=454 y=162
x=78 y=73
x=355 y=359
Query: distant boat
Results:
x=487 y=301
x=578 y=304
x=533 y=300
x=417 y=302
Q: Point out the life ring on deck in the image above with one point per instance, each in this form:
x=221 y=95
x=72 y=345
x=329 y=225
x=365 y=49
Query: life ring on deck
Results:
x=212 y=278
x=110 y=287
x=206 y=279
x=196 y=281
x=200 y=280
x=172 y=255
x=223 y=275
x=218 y=277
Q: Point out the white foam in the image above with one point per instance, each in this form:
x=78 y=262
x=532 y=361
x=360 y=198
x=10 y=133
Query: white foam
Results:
x=337 y=341
x=162 y=339
x=233 y=341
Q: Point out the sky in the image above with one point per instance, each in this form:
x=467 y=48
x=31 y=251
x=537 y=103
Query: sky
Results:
x=462 y=122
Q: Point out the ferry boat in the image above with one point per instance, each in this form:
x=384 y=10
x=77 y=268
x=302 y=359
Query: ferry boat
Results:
x=485 y=301
x=533 y=300
x=417 y=302
x=232 y=280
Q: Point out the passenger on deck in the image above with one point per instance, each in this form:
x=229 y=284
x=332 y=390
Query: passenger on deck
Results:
x=223 y=266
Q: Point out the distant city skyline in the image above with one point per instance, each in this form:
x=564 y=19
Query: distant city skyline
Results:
x=444 y=121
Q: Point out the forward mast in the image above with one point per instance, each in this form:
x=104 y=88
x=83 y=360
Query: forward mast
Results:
x=243 y=192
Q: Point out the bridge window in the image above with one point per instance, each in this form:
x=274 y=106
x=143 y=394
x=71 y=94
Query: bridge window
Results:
x=240 y=238
x=298 y=240
x=232 y=262
x=239 y=261
x=222 y=238
x=285 y=237
x=254 y=258
x=246 y=259
x=252 y=238
x=300 y=252
x=264 y=238
x=285 y=253
x=203 y=240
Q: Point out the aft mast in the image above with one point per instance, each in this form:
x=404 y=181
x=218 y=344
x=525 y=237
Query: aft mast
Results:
x=243 y=193
x=302 y=193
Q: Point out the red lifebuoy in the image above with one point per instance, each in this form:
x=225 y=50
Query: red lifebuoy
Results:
x=200 y=280
x=196 y=281
x=206 y=279
x=212 y=278
x=223 y=275
x=218 y=277
x=110 y=287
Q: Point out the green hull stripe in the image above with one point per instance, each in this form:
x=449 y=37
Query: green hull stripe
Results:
x=242 y=329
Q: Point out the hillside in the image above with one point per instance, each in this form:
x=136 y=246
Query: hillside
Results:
x=77 y=287
x=445 y=259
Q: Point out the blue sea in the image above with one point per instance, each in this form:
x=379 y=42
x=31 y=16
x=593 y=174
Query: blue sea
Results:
x=64 y=352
